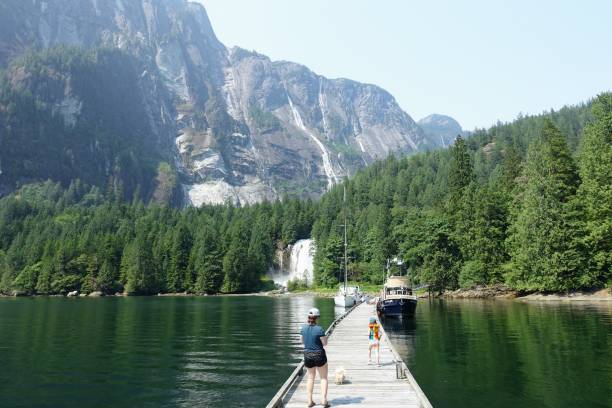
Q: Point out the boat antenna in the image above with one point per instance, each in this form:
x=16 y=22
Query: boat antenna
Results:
x=387 y=268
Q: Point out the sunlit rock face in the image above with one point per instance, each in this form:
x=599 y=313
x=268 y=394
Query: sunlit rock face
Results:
x=235 y=125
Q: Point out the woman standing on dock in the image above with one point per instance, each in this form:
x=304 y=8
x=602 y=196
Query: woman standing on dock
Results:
x=315 y=359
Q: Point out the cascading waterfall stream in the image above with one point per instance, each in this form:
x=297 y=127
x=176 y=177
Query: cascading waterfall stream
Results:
x=327 y=166
x=300 y=264
x=322 y=104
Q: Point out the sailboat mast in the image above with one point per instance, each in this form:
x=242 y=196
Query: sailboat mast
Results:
x=345 y=245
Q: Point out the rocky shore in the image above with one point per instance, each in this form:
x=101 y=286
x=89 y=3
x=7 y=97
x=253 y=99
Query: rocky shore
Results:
x=476 y=292
x=600 y=295
x=503 y=292
x=482 y=292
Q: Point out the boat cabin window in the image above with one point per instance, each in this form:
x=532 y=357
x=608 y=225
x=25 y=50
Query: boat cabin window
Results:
x=399 y=291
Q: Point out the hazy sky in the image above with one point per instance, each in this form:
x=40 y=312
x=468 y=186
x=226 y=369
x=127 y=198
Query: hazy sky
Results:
x=478 y=61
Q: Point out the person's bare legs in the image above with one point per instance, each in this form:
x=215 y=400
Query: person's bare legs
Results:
x=370 y=354
x=310 y=383
x=378 y=352
x=323 y=374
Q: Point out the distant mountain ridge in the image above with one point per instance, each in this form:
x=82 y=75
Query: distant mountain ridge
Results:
x=201 y=123
x=442 y=128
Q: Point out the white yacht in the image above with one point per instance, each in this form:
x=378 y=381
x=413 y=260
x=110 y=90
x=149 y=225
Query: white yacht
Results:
x=345 y=297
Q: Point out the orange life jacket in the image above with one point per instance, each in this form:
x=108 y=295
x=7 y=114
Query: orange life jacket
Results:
x=374 y=331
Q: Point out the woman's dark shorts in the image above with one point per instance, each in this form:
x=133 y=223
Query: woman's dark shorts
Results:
x=315 y=358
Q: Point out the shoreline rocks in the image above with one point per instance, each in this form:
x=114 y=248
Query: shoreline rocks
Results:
x=503 y=292
x=597 y=295
x=477 y=292
x=482 y=292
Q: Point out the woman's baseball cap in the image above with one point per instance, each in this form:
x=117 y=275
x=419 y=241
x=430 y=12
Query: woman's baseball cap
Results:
x=314 y=312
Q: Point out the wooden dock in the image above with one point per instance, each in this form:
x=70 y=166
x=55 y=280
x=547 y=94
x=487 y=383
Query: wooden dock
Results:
x=390 y=385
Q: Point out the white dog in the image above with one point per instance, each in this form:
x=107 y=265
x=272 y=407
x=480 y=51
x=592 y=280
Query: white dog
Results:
x=340 y=375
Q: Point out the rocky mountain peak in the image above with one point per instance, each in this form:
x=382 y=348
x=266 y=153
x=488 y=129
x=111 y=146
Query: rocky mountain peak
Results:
x=441 y=129
x=233 y=124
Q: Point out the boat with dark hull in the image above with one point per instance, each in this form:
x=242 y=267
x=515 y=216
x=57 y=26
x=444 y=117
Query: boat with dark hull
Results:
x=396 y=298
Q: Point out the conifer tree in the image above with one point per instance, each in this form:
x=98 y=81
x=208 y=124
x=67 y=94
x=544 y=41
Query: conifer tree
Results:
x=6 y=279
x=329 y=260
x=106 y=278
x=378 y=248
x=26 y=280
x=136 y=269
x=595 y=192
x=511 y=168
x=561 y=167
x=130 y=269
x=178 y=278
x=480 y=233
x=429 y=249
x=207 y=262
x=545 y=234
x=235 y=261
x=289 y=231
x=260 y=247
x=43 y=284
x=461 y=172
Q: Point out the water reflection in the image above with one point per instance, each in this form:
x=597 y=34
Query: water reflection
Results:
x=470 y=353
x=236 y=351
x=149 y=352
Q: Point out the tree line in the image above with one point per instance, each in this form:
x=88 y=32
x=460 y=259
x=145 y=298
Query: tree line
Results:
x=55 y=240
x=527 y=204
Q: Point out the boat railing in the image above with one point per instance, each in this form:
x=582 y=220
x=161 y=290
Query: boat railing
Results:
x=402 y=372
x=277 y=400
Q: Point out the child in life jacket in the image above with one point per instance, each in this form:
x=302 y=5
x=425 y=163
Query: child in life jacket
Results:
x=374 y=338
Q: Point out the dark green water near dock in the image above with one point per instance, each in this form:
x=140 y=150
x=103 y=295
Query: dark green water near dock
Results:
x=149 y=351
x=509 y=354
x=236 y=351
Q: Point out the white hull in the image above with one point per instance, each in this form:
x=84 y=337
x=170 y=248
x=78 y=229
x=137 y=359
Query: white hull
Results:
x=344 y=301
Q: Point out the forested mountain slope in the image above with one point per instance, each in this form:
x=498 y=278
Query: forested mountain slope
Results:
x=527 y=203
x=64 y=115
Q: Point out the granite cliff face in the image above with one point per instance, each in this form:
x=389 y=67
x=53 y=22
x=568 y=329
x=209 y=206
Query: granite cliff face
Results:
x=232 y=124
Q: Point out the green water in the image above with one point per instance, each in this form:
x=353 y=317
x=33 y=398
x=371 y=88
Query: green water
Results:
x=509 y=354
x=236 y=351
x=149 y=352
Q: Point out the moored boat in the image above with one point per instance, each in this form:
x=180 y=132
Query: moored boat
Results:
x=344 y=299
x=396 y=298
x=348 y=296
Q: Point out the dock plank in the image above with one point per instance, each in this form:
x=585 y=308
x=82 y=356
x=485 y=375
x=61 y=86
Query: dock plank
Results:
x=366 y=385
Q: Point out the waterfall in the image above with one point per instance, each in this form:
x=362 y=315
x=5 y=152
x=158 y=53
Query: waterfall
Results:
x=327 y=165
x=300 y=264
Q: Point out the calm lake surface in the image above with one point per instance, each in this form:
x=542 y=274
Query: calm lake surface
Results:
x=149 y=351
x=236 y=351
x=500 y=353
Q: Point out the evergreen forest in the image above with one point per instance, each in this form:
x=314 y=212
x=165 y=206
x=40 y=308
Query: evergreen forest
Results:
x=527 y=204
